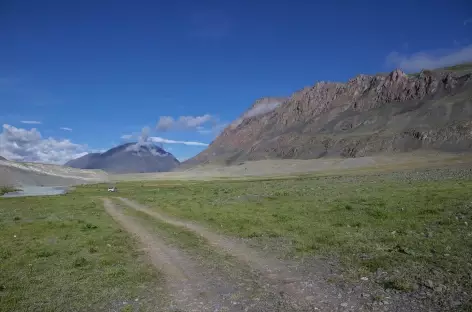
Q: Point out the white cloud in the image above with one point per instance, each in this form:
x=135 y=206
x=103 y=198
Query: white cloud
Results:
x=214 y=131
x=165 y=123
x=167 y=141
x=126 y=136
x=150 y=147
x=144 y=135
x=262 y=109
x=28 y=145
x=183 y=122
x=259 y=109
x=424 y=60
x=99 y=151
x=203 y=130
x=65 y=129
x=31 y=122
x=143 y=138
x=138 y=136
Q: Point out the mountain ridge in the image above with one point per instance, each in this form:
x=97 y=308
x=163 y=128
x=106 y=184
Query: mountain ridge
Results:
x=368 y=114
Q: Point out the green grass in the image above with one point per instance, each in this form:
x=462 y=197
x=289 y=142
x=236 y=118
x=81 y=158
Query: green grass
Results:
x=415 y=230
x=64 y=253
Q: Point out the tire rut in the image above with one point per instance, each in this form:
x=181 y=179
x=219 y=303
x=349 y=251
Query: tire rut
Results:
x=191 y=285
x=188 y=289
x=302 y=289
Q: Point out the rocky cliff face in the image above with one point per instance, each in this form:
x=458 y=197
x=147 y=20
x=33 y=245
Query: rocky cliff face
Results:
x=367 y=115
x=128 y=158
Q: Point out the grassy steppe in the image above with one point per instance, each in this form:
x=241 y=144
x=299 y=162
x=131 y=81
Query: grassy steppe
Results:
x=64 y=253
x=407 y=231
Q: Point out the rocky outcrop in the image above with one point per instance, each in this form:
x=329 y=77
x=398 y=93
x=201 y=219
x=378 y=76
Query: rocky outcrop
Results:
x=392 y=112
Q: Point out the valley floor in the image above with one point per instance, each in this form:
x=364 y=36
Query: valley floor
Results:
x=294 y=167
x=364 y=241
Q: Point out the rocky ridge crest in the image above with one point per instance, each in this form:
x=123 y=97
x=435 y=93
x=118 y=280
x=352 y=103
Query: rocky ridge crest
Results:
x=369 y=114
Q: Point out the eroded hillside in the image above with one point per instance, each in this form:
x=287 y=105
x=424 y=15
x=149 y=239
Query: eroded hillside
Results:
x=394 y=112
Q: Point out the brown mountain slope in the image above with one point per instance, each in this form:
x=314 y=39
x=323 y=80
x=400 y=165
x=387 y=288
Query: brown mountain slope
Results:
x=367 y=115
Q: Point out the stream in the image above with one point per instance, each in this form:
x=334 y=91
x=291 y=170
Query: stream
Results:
x=37 y=191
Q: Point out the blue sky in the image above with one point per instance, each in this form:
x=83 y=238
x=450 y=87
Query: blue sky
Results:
x=101 y=70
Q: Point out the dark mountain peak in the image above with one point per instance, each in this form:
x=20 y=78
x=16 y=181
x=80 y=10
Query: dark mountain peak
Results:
x=128 y=158
x=116 y=149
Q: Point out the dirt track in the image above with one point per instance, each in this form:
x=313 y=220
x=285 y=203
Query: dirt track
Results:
x=185 y=282
x=270 y=284
x=197 y=286
x=277 y=274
